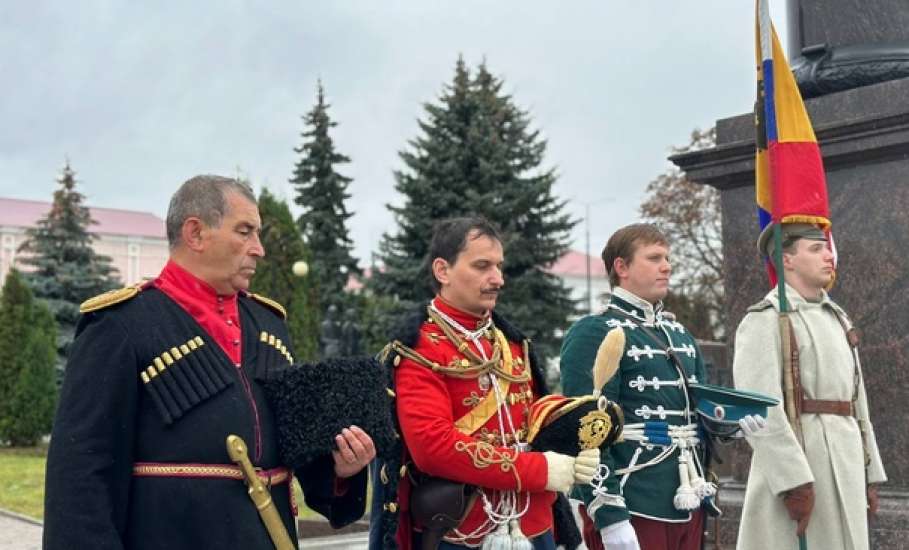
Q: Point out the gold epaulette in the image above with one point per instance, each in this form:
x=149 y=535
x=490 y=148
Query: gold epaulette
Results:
x=383 y=355
x=109 y=298
x=268 y=302
x=401 y=350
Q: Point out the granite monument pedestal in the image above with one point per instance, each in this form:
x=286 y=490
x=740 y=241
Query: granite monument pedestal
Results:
x=864 y=138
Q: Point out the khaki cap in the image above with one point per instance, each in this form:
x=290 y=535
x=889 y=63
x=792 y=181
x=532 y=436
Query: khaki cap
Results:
x=791 y=232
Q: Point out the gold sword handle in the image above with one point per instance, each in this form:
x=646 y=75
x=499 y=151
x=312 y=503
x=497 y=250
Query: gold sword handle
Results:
x=259 y=493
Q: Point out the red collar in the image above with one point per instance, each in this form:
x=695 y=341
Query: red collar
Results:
x=218 y=315
x=467 y=320
x=178 y=281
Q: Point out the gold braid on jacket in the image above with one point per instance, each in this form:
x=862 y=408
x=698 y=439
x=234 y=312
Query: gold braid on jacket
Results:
x=477 y=365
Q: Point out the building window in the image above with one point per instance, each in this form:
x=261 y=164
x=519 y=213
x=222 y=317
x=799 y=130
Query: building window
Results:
x=132 y=263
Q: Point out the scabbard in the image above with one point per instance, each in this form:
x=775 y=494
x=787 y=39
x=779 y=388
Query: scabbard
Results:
x=260 y=495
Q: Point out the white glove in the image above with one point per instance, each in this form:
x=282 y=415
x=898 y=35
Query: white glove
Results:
x=620 y=536
x=586 y=465
x=560 y=470
x=753 y=424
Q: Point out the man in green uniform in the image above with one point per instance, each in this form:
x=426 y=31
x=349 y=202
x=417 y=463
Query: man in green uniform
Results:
x=650 y=498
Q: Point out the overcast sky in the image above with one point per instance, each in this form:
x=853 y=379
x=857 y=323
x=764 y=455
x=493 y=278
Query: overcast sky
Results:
x=142 y=96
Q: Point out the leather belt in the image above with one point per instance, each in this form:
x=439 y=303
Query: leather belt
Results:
x=273 y=476
x=820 y=406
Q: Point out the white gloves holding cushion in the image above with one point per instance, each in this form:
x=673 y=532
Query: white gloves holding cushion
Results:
x=752 y=425
x=565 y=471
x=620 y=536
x=586 y=465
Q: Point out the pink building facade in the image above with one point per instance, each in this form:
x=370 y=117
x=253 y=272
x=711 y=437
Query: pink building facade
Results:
x=135 y=241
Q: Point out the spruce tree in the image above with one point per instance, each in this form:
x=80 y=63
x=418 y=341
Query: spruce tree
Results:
x=274 y=276
x=478 y=155
x=34 y=396
x=66 y=270
x=15 y=311
x=321 y=191
x=27 y=359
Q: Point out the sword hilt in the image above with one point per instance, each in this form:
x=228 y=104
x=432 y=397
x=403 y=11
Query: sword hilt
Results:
x=259 y=493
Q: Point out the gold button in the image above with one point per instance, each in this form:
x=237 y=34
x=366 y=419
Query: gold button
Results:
x=397 y=360
x=465 y=363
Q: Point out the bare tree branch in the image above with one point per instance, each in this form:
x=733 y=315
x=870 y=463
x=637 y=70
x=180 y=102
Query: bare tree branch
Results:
x=689 y=214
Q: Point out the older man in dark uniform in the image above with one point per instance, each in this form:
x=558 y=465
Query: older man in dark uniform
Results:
x=158 y=377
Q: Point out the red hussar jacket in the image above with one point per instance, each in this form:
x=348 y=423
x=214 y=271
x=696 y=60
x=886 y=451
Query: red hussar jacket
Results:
x=451 y=427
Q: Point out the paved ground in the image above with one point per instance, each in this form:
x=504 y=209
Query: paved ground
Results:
x=355 y=541
x=18 y=533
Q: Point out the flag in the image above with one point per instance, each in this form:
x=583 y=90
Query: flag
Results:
x=790 y=185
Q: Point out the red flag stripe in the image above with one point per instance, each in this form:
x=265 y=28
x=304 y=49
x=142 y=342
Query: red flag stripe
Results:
x=799 y=186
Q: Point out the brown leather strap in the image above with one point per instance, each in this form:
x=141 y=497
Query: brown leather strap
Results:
x=820 y=406
x=796 y=372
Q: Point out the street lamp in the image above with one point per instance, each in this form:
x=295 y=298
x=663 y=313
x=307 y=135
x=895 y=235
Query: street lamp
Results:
x=587 y=206
x=300 y=268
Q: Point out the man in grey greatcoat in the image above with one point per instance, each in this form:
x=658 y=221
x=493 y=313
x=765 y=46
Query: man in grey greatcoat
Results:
x=824 y=485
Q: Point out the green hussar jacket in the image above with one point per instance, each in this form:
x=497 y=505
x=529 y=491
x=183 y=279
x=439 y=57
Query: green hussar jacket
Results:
x=646 y=383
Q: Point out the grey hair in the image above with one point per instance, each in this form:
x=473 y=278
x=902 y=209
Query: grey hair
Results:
x=203 y=197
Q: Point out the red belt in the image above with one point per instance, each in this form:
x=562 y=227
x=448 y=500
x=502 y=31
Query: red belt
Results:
x=820 y=406
x=272 y=476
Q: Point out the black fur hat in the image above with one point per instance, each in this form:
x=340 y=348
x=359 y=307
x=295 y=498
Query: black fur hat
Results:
x=314 y=402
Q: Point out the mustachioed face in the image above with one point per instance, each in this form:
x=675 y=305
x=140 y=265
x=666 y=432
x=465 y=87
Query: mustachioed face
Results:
x=473 y=281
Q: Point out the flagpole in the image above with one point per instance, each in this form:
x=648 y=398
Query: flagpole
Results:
x=786 y=346
x=778 y=261
x=792 y=130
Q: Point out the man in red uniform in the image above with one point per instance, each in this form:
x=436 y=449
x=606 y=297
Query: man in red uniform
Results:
x=464 y=386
